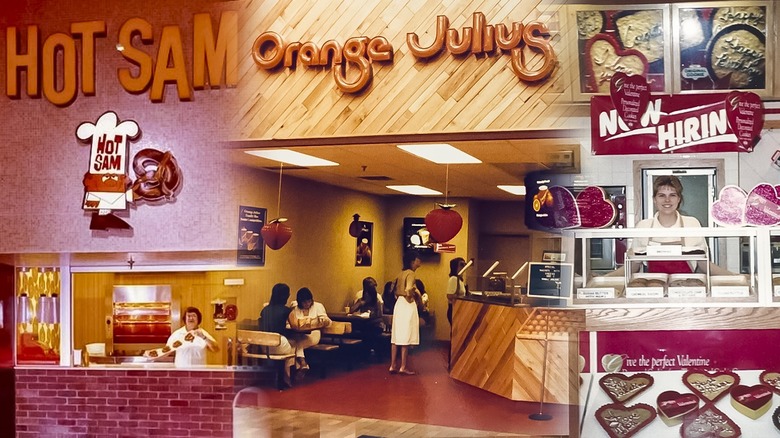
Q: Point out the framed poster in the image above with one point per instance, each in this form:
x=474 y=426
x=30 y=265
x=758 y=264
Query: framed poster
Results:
x=251 y=247
x=624 y=38
x=365 y=244
x=723 y=47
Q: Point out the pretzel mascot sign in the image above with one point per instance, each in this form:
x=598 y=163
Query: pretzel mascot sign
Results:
x=107 y=187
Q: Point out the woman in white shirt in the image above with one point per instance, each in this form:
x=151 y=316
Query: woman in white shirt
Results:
x=307 y=315
x=455 y=285
x=190 y=341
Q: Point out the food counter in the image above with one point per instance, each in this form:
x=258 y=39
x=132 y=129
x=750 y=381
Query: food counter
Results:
x=502 y=349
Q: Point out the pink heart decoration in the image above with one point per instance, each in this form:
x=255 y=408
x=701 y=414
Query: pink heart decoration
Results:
x=762 y=207
x=745 y=113
x=559 y=209
x=596 y=211
x=729 y=209
x=630 y=95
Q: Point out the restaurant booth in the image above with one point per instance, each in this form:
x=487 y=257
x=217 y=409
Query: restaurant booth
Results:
x=126 y=131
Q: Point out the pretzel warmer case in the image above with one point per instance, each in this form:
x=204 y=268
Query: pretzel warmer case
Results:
x=140 y=317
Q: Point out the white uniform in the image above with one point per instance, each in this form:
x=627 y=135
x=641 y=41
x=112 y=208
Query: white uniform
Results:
x=190 y=353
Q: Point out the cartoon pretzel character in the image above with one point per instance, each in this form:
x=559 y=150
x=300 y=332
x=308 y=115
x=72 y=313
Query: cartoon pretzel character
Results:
x=106 y=184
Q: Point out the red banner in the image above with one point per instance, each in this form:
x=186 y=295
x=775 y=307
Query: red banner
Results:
x=678 y=124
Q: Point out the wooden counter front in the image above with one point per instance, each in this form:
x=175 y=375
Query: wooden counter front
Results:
x=501 y=349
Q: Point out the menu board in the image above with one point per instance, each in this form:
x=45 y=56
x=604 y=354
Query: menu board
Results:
x=550 y=280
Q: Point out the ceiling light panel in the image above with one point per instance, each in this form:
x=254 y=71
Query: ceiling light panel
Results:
x=515 y=190
x=291 y=157
x=440 y=153
x=414 y=190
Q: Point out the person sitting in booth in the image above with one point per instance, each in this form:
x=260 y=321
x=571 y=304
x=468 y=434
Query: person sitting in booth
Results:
x=273 y=318
x=307 y=316
x=388 y=298
x=359 y=294
x=369 y=304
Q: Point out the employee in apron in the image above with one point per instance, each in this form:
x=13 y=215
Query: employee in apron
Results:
x=667 y=198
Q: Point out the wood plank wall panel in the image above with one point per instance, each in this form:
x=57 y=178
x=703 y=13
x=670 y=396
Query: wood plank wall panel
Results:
x=445 y=94
x=483 y=344
x=501 y=349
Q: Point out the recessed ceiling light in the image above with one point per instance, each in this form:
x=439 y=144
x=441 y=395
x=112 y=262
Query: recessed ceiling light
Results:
x=291 y=157
x=515 y=190
x=440 y=153
x=414 y=190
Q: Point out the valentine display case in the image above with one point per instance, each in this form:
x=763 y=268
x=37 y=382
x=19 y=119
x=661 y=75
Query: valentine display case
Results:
x=736 y=269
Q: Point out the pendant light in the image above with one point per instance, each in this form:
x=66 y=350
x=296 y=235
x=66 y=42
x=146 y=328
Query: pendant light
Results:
x=444 y=223
x=276 y=233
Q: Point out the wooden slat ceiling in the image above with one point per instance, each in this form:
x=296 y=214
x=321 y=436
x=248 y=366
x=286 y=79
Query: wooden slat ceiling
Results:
x=445 y=94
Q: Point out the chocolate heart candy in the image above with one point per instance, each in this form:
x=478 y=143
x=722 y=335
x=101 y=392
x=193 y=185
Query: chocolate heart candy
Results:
x=709 y=422
x=621 y=388
x=710 y=385
x=752 y=401
x=771 y=379
x=624 y=421
x=673 y=405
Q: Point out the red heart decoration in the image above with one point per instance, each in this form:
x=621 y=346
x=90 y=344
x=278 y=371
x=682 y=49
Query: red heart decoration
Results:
x=762 y=206
x=276 y=234
x=673 y=405
x=709 y=422
x=605 y=58
x=630 y=95
x=621 y=388
x=624 y=421
x=710 y=385
x=557 y=208
x=729 y=209
x=745 y=113
x=596 y=211
x=752 y=401
x=443 y=223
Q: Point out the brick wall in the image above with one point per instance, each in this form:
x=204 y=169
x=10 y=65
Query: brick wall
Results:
x=121 y=403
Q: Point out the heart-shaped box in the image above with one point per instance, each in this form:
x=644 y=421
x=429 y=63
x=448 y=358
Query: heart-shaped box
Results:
x=710 y=385
x=762 y=207
x=729 y=209
x=709 y=422
x=673 y=406
x=596 y=210
x=771 y=378
x=624 y=421
x=621 y=388
x=751 y=401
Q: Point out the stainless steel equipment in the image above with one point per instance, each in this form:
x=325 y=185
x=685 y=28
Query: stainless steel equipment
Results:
x=140 y=317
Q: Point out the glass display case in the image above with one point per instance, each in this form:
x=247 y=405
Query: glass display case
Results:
x=737 y=268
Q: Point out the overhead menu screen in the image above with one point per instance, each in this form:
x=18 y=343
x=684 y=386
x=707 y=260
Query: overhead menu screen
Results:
x=550 y=280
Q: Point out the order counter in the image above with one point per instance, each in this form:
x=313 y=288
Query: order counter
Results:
x=502 y=348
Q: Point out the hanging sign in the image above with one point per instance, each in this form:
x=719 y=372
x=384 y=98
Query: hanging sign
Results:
x=679 y=124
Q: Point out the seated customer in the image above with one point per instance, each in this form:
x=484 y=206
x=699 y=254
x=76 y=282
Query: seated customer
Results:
x=273 y=318
x=307 y=315
x=369 y=302
x=359 y=294
x=388 y=299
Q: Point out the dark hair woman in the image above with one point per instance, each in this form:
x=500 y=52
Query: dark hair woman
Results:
x=406 y=319
x=273 y=318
